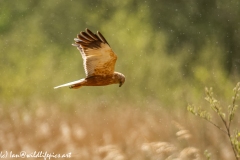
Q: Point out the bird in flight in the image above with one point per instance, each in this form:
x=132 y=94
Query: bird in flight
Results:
x=98 y=61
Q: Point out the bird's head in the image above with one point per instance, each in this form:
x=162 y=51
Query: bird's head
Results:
x=120 y=78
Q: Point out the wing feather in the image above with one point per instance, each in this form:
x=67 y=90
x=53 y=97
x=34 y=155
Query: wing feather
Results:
x=102 y=38
x=92 y=34
x=83 y=39
x=98 y=57
x=88 y=37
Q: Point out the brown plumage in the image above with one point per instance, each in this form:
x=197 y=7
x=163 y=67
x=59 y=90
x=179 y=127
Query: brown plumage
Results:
x=98 y=61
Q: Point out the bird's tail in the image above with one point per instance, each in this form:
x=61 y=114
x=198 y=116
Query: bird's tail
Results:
x=73 y=85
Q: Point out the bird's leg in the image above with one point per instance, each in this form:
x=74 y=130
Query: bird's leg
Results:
x=75 y=86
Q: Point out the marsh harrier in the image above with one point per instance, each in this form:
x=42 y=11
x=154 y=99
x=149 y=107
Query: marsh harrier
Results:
x=98 y=61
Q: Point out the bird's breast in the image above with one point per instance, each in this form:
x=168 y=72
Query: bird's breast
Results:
x=98 y=80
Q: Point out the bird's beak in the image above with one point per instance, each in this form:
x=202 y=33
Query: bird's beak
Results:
x=120 y=84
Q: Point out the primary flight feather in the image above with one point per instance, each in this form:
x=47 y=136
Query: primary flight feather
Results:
x=98 y=61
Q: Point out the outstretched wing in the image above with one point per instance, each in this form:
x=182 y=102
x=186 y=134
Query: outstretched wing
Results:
x=98 y=57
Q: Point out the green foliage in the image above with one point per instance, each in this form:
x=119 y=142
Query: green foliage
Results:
x=207 y=154
x=235 y=140
x=194 y=23
x=216 y=107
x=168 y=51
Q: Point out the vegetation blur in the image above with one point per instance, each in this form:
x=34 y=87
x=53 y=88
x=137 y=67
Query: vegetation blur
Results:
x=169 y=52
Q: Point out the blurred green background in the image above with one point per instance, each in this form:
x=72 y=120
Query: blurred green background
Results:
x=168 y=51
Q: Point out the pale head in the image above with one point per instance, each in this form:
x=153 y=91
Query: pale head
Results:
x=119 y=78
